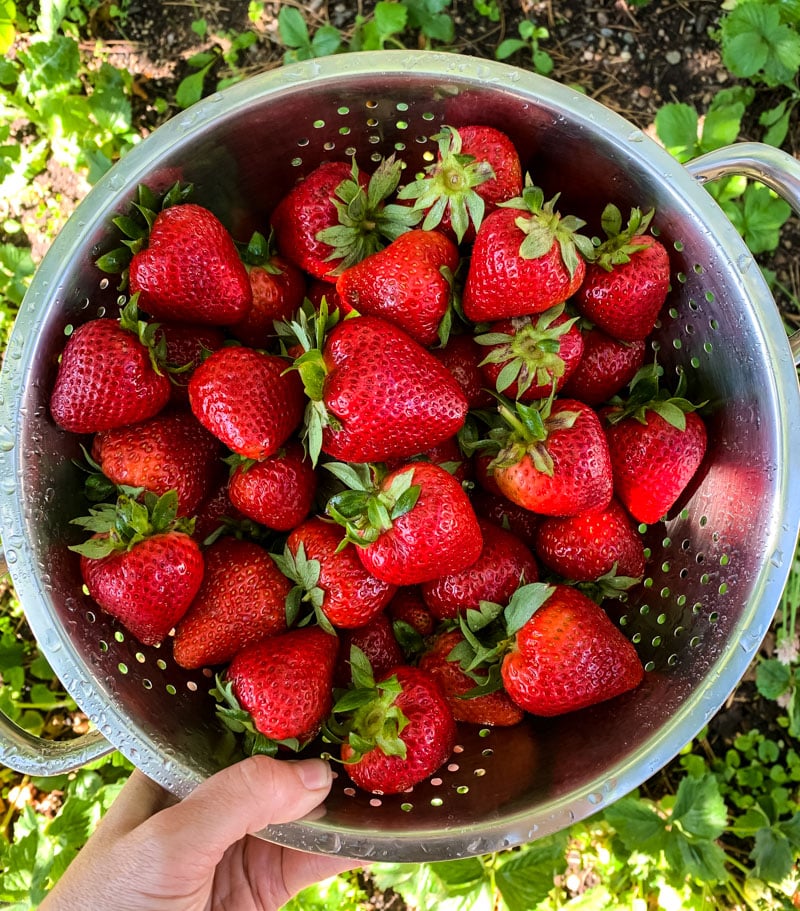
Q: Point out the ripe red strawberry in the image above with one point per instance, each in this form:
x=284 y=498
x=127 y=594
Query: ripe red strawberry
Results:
x=278 y=287
x=185 y=346
x=377 y=641
x=462 y=355
x=409 y=283
x=216 y=513
x=376 y=394
x=555 y=460
x=247 y=399
x=606 y=366
x=141 y=565
x=413 y=525
x=527 y=357
x=501 y=511
x=318 y=290
x=585 y=547
x=408 y=608
x=398 y=730
x=190 y=270
x=627 y=281
x=171 y=451
x=278 y=491
x=568 y=655
x=503 y=565
x=477 y=167
x=657 y=443
x=336 y=216
x=280 y=690
x=107 y=377
x=448 y=454
x=242 y=600
x=526 y=258
x=491 y=708
x=330 y=577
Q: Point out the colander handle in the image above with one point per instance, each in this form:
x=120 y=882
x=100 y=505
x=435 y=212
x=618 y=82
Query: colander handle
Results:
x=774 y=168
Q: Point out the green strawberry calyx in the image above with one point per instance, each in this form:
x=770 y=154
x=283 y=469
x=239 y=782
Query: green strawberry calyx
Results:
x=136 y=515
x=305 y=573
x=366 y=221
x=259 y=252
x=544 y=226
x=645 y=395
x=609 y=585
x=619 y=245
x=531 y=353
x=365 y=509
x=449 y=184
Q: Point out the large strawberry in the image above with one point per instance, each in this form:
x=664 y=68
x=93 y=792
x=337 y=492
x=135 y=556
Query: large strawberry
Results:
x=336 y=216
x=476 y=168
x=279 y=691
x=605 y=367
x=626 y=283
x=526 y=258
x=108 y=376
x=171 y=451
x=375 y=393
x=411 y=526
x=141 y=564
x=396 y=731
x=409 y=283
x=657 y=442
x=190 y=270
x=247 y=399
x=330 y=577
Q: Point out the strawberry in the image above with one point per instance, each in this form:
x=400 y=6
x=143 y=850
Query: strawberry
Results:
x=462 y=691
x=216 y=513
x=376 y=394
x=585 y=547
x=242 y=600
x=526 y=357
x=330 y=577
x=190 y=270
x=247 y=399
x=408 y=609
x=278 y=491
x=108 y=376
x=377 y=641
x=627 y=281
x=567 y=654
x=413 y=525
x=555 y=458
x=496 y=508
x=278 y=287
x=503 y=565
x=318 y=290
x=606 y=366
x=185 y=346
x=462 y=355
x=409 y=283
x=141 y=564
x=279 y=691
x=526 y=258
x=476 y=168
x=448 y=454
x=171 y=451
x=336 y=216
x=656 y=443
x=396 y=731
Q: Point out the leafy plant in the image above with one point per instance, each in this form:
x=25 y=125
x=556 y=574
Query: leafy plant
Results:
x=300 y=44
x=387 y=23
x=530 y=35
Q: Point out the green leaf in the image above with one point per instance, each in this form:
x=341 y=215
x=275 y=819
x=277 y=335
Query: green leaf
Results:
x=524 y=603
x=700 y=808
x=51 y=15
x=526 y=878
x=508 y=47
x=677 y=126
x=292 y=27
x=772 y=854
x=763 y=216
x=773 y=678
x=190 y=89
x=638 y=825
x=704 y=861
x=327 y=40
x=390 y=18
x=7 y=25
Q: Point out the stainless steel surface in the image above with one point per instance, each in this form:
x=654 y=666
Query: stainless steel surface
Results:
x=716 y=568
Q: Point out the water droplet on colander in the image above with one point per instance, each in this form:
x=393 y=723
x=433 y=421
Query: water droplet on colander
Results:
x=50 y=641
x=9 y=485
x=216 y=97
x=744 y=262
x=777 y=558
x=7 y=440
x=115 y=182
x=635 y=136
x=594 y=798
x=11 y=556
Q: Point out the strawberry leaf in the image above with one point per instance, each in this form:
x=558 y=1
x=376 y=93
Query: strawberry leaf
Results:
x=524 y=603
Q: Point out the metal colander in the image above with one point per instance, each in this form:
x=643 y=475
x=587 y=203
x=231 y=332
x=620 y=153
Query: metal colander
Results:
x=716 y=568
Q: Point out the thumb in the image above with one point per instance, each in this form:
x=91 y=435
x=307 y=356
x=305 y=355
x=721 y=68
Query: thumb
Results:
x=244 y=798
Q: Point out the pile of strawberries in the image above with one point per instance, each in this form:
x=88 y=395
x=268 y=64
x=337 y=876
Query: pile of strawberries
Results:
x=380 y=470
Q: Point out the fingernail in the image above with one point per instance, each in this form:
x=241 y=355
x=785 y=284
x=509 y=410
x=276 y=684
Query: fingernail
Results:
x=314 y=773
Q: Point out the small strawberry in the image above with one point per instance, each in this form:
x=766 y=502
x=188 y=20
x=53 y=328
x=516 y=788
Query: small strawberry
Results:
x=627 y=280
x=503 y=565
x=462 y=356
x=408 y=609
x=336 y=216
x=171 y=451
x=378 y=643
x=279 y=691
x=411 y=526
x=247 y=399
x=318 y=290
x=141 y=564
x=409 y=283
x=657 y=442
x=396 y=731
x=330 y=577
x=528 y=356
x=606 y=366
x=108 y=376
x=278 y=491
x=477 y=167
x=185 y=346
x=496 y=508
x=242 y=600
x=448 y=454
x=526 y=258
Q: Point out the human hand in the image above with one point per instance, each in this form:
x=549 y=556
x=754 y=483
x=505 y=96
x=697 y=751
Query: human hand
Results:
x=151 y=853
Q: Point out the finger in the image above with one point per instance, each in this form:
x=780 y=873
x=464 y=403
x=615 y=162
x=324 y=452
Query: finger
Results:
x=301 y=869
x=138 y=800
